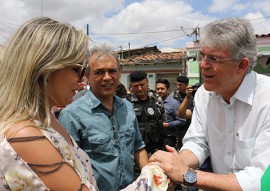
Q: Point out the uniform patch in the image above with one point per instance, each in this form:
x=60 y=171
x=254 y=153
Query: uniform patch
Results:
x=150 y=111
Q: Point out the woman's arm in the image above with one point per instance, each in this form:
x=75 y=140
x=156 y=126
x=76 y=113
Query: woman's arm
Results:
x=44 y=159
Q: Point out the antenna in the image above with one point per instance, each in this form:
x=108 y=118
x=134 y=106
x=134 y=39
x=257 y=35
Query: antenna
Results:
x=195 y=32
x=184 y=31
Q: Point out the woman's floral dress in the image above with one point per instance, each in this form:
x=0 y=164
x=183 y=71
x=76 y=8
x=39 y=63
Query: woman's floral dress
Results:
x=16 y=174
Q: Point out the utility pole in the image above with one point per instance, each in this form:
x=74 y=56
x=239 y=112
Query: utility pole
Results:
x=121 y=50
x=41 y=7
x=184 y=68
x=195 y=32
x=87 y=29
x=128 y=49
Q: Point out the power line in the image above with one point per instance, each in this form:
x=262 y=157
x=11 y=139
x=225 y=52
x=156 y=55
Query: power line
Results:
x=13 y=26
x=156 y=42
x=166 y=40
x=260 y=18
x=8 y=24
x=4 y=35
x=153 y=32
x=136 y=33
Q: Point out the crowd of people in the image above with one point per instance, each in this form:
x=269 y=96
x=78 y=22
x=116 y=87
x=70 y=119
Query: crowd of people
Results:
x=110 y=138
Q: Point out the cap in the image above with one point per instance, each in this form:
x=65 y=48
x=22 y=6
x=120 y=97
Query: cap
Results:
x=183 y=79
x=137 y=76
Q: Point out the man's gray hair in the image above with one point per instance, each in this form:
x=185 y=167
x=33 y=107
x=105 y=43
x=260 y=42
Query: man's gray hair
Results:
x=103 y=49
x=234 y=34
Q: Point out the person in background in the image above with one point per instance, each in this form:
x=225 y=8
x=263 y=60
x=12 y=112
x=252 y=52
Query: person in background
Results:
x=231 y=119
x=121 y=90
x=49 y=71
x=173 y=122
x=149 y=111
x=183 y=110
x=129 y=90
x=105 y=125
x=180 y=95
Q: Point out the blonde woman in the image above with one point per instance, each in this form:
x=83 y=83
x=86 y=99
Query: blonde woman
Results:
x=41 y=67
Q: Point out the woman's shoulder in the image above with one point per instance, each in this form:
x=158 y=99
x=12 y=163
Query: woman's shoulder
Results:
x=23 y=129
x=17 y=149
x=33 y=150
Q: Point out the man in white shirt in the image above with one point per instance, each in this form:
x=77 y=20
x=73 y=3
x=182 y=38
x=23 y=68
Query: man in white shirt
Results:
x=231 y=119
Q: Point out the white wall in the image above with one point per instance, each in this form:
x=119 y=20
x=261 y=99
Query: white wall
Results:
x=152 y=77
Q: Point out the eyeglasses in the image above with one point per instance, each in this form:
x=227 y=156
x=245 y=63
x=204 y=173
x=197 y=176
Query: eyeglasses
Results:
x=82 y=72
x=210 y=60
x=80 y=69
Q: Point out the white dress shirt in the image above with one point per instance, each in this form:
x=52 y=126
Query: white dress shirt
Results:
x=235 y=135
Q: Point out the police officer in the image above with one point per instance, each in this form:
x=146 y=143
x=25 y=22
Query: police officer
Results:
x=149 y=110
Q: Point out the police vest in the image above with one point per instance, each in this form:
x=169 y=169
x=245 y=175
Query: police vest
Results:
x=150 y=120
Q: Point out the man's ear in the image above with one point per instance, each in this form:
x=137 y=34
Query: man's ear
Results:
x=244 y=65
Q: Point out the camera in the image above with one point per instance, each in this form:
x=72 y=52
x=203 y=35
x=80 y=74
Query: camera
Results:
x=195 y=88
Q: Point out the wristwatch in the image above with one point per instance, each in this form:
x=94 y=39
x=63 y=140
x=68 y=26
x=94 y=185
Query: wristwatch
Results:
x=189 y=177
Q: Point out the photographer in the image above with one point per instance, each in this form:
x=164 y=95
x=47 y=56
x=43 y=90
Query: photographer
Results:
x=180 y=94
x=184 y=111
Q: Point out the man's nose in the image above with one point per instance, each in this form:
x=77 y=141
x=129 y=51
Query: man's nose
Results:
x=204 y=64
x=107 y=75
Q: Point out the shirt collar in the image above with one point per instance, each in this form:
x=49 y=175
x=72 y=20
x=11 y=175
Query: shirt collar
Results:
x=246 y=90
x=149 y=93
x=96 y=102
x=168 y=99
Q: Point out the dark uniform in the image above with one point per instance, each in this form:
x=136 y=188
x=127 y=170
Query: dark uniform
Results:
x=150 y=116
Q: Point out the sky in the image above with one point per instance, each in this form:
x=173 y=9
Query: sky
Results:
x=125 y=24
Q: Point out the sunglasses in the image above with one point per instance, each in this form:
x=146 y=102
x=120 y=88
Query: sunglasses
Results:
x=80 y=70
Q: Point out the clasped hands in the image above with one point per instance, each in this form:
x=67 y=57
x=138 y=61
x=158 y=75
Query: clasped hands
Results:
x=171 y=162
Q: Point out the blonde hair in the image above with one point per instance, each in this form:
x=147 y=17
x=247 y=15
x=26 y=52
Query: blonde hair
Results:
x=38 y=48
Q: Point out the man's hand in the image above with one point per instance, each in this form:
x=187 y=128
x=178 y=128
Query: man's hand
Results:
x=189 y=91
x=166 y=125
x=171 y=163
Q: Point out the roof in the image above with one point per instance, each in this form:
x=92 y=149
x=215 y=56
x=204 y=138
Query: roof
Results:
x=262 y=35
x=168 y=49
x=154 y=58
x=160 y=56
